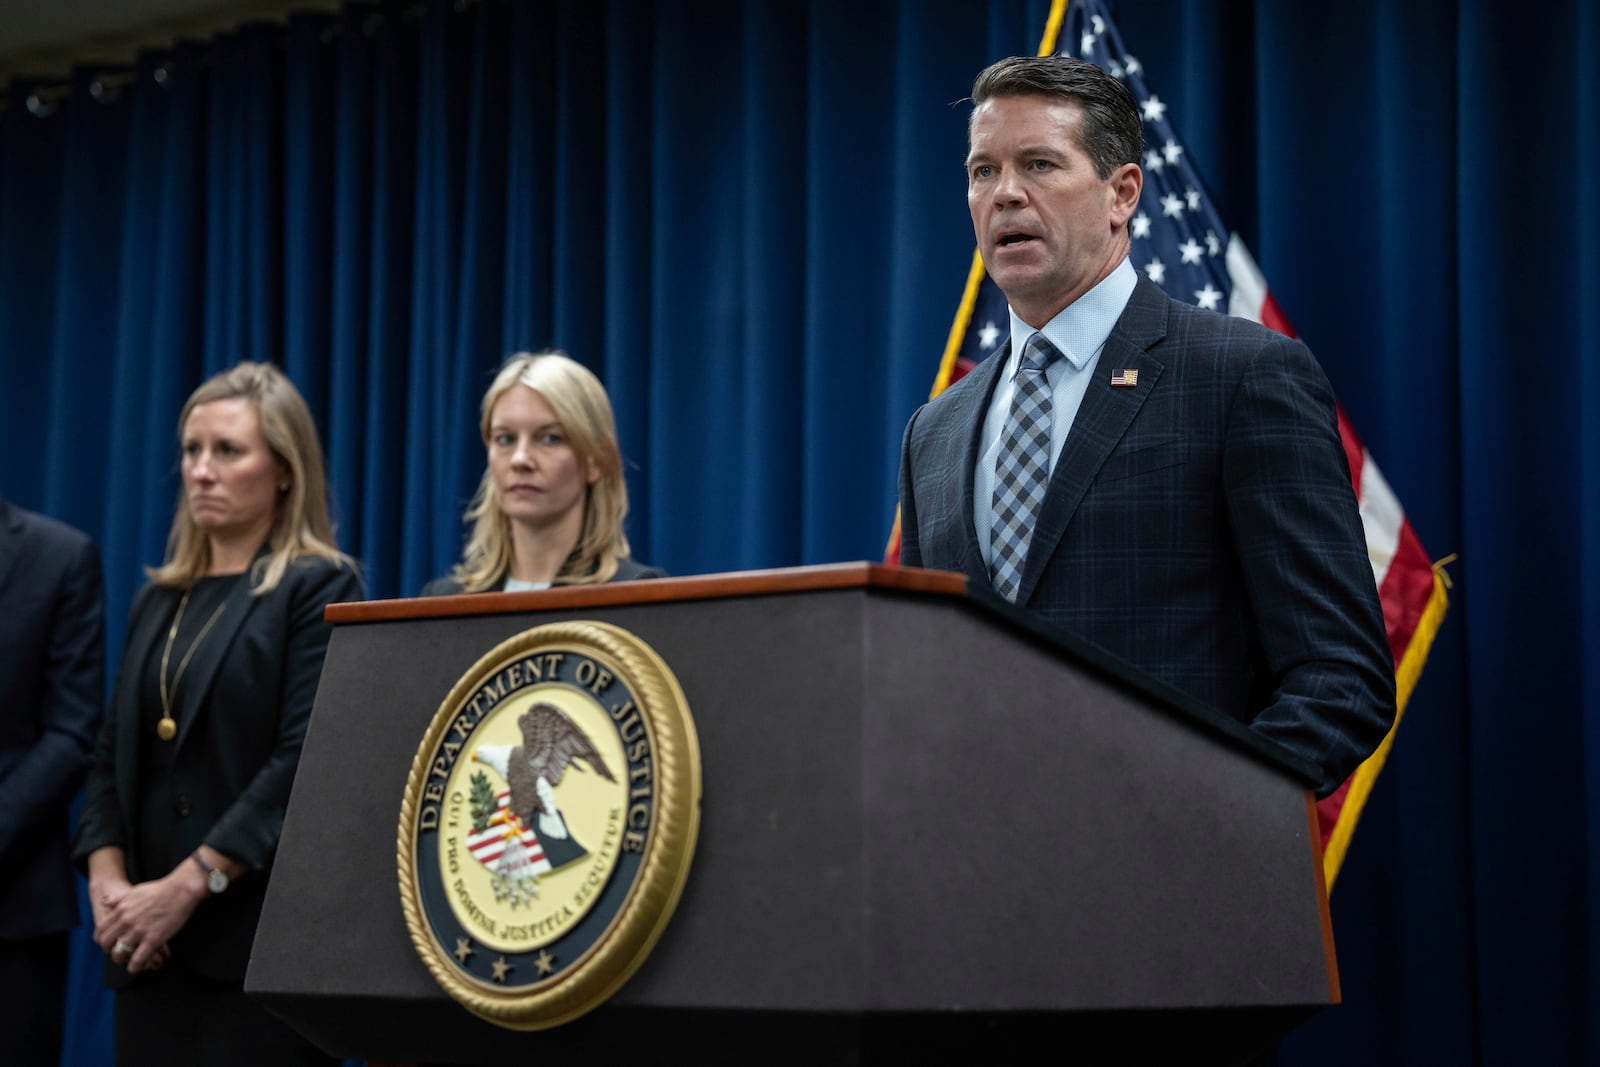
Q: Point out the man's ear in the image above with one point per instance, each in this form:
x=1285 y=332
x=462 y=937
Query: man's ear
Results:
x=1126 y=183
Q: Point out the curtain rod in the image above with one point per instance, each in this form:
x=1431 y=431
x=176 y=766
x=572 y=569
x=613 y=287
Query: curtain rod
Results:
x=44 y=91
x=55 y=63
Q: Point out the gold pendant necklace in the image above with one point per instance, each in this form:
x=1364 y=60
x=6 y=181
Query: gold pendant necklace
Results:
x=167 y=728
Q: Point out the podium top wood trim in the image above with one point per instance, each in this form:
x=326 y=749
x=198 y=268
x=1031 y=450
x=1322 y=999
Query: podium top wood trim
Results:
x=658 y=590
x=823 y=577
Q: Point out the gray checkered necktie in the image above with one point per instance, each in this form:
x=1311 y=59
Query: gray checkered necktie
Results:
x=1022 y=469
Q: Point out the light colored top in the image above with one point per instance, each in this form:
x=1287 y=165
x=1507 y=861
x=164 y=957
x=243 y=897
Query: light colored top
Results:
x=1079 y=333
x=517 y=585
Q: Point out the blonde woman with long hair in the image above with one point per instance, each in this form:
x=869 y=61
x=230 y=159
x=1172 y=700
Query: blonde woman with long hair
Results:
x=192 y=771
x=550 y=507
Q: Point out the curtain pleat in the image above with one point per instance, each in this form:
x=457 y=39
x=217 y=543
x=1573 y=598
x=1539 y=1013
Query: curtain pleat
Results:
x=1587 y=161
x=1508 y=69
x=351 y=224
x=89 y=258
x=308 y=189
x=30 y=197
x=748 y=218
x=479 y=295
x=379 y=493
x=769 y=287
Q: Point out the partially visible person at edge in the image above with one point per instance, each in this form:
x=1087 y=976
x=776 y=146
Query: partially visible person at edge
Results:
x=52 y=646
x=192 y=771
x=549 y=509
x=1166 y=482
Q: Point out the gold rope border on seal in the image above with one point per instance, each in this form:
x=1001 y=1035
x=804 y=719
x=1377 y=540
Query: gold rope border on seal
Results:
x=591 y=979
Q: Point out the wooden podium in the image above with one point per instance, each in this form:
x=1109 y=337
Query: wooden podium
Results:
x=931 y=826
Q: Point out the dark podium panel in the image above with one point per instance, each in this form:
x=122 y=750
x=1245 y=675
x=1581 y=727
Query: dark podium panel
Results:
x=930 y=826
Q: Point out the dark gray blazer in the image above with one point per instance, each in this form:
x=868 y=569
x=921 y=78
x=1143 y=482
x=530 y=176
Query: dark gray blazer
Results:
x=628 y=570
x=1201 y=526
x=242 y=713
x=52 y=652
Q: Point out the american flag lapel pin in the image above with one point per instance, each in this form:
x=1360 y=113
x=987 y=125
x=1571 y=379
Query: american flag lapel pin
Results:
x=1125 y=377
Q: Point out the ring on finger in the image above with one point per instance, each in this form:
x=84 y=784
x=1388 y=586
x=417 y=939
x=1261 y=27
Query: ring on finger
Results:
x=121 y=948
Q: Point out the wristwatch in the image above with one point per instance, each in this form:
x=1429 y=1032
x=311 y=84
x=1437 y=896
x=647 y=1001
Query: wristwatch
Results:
x=216 y=880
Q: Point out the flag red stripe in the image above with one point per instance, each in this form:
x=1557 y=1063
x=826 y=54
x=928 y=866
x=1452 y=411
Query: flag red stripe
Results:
x=1353 y=451
x=1405 y=591
x=489 y=845
x=1272 y=317
x=1330 y=807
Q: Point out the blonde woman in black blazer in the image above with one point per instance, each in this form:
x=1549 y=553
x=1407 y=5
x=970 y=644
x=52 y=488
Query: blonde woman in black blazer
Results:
x=550 y=507
x=192 y=771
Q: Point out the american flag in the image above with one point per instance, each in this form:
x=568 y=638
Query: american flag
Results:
x=489 y=846
x=1180 y=243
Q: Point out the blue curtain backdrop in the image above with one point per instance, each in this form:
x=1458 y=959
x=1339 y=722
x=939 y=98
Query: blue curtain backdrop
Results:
x=749 y=219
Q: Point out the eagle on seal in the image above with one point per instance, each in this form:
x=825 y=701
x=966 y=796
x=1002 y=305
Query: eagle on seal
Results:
x=551 y=742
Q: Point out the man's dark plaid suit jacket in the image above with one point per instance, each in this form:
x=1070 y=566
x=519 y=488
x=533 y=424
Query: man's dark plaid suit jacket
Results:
x=1200 y=525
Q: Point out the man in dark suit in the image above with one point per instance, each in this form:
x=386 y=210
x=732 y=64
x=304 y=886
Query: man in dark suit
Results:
x=51 y=673
x=1166 y=482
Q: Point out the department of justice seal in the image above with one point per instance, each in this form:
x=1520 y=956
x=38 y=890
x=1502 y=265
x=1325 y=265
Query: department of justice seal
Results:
x=548 y=823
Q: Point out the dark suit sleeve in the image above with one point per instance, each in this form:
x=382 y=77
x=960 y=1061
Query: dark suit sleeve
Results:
x=101 y=823
x=248 y=831
x=41 y=783
x=1300 y=544
x=910 y=548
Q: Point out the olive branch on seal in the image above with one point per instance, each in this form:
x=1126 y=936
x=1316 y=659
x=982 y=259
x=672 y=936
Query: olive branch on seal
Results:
x=483 y=802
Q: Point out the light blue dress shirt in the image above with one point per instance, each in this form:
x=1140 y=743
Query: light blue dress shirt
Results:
x=517 y=585
x=1079 y=332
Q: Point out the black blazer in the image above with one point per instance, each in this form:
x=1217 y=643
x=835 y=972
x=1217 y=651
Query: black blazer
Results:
x=52 y=649
x=628 y=570
x=242 y=712
x=1200 y=524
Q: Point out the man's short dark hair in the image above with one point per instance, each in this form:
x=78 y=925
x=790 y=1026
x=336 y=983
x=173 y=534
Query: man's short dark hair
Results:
x=1110 y=133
